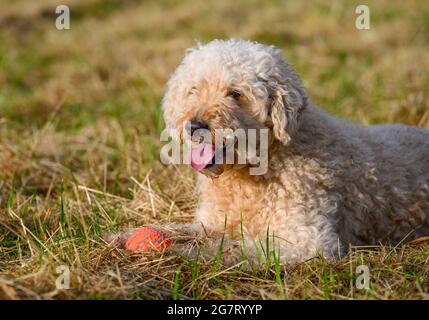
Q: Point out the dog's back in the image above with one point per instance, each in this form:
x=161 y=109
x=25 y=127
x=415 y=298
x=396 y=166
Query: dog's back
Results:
x=385 y=187
x=405 y=147
x=400 y=156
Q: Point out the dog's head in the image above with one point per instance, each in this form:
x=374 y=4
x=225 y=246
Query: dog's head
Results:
x=232 y=84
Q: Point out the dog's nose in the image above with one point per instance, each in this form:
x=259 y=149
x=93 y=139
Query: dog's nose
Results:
x=196 y=124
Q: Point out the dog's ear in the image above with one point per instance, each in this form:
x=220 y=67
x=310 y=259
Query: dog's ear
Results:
x=288 y=100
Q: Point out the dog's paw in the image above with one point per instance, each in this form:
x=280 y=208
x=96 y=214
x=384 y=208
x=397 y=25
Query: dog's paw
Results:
x=183 y=231
x=179 y=233
x=118 y=239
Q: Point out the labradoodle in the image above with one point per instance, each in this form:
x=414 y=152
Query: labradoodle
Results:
x=329 y=183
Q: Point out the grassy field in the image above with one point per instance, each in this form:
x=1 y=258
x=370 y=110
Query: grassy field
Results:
x=79 y=147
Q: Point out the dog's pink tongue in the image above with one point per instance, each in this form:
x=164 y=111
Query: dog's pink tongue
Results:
x=201 y=155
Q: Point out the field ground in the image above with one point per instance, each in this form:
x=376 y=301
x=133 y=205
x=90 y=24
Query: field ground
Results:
x=79 y=128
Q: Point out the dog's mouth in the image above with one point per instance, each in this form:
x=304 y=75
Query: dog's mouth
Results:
x=202 y=156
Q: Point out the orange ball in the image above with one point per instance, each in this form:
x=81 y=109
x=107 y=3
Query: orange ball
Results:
x=148 y=239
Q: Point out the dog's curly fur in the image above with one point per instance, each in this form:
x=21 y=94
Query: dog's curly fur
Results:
x=329 y=183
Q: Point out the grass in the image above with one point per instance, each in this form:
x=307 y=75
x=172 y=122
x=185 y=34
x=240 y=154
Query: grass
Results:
x=79 y=146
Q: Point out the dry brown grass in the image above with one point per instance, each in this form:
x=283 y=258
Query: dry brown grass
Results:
x=79 y=126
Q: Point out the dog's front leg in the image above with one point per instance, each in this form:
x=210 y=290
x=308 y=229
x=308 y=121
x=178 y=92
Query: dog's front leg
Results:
x=183 y=229
x=180 y=232
x=255 y=253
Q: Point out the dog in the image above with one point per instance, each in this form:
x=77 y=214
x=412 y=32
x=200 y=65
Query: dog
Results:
x=329 y=184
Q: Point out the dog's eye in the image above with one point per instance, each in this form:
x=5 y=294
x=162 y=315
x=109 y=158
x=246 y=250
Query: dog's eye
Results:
x=234 y=94
x=192 y=91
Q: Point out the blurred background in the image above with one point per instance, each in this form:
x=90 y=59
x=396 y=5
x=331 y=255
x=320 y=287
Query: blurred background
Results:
x=81 y=107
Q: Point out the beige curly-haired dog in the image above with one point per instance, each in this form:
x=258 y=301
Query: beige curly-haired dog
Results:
x=329 y=183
